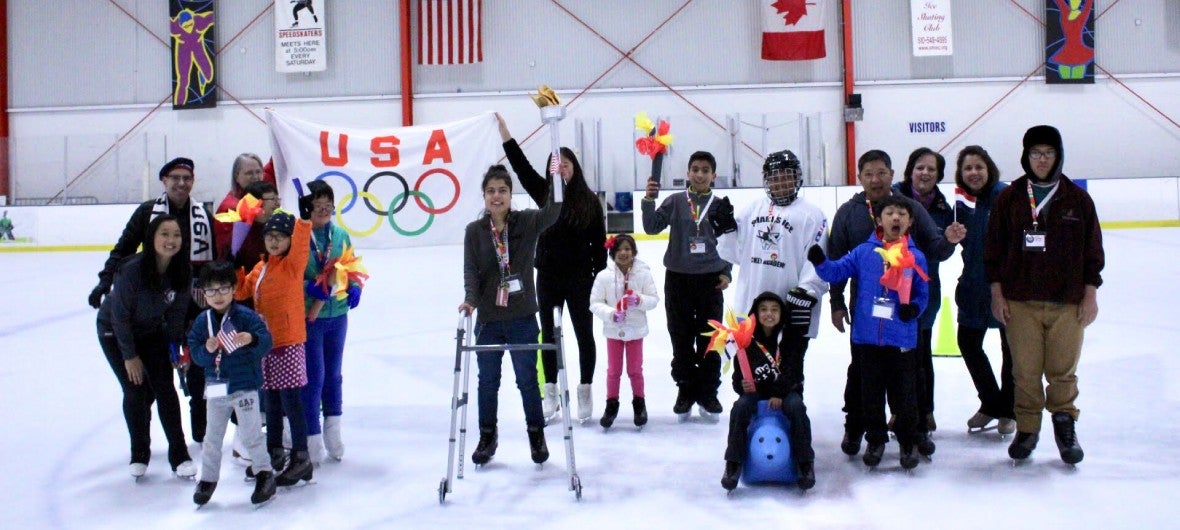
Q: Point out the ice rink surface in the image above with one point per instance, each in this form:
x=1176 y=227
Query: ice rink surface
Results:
x=65 y=447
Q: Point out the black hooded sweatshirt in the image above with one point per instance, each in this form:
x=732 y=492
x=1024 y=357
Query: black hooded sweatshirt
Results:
x=771 y=381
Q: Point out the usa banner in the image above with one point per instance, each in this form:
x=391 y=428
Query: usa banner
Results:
x=193 y=49
x=395 y=187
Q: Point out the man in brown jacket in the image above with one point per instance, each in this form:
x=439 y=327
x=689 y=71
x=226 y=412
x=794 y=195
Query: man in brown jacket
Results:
x=1043 y=255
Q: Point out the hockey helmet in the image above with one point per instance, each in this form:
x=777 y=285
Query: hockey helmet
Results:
x=782 y=175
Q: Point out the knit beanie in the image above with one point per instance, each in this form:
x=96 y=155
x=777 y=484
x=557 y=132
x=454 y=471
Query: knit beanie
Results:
x=281 y=222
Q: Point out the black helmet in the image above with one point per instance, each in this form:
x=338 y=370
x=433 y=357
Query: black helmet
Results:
x=783 y=160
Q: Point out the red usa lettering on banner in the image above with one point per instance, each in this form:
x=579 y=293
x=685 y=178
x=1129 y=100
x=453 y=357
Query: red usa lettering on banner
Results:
x=383 y=150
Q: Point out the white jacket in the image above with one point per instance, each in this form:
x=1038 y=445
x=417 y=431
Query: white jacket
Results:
x=609 y=288
x=770 y=249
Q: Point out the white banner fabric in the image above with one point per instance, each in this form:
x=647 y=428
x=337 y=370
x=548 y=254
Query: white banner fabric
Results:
x=395 y=187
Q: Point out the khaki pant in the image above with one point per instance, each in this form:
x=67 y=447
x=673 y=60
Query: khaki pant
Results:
x=1046 y=339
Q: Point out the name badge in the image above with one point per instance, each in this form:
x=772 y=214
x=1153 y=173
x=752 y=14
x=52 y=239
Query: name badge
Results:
x=697 y=245
x=1034 y=241
x=216 y=388
x=883 y=308
x=514 y=284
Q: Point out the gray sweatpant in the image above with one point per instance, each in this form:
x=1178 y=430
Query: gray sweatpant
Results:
x=245 y=403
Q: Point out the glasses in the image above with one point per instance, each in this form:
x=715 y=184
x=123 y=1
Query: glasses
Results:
x=184 y=178
x=275 y=236
x=214 y=291
x=324 y=208
x=1037 y=155
x=272 y=199
x=876 y=175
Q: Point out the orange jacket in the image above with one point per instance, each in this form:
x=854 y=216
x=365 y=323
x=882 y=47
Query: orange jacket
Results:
x=276 y=284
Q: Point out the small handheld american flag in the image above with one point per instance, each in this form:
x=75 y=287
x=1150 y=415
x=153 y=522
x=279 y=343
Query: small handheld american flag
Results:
x=228 y=337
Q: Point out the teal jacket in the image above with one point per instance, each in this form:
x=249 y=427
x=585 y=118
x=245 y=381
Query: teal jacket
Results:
x=319 y=242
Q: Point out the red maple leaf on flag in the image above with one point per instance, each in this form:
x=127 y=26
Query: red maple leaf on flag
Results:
x=794 y=9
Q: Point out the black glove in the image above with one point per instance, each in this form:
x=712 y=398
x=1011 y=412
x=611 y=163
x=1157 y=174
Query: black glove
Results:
x=96 y=295
x=722 y=219
x=816 y=255
x=907 y=312
x=799 y=304
x=305 y=207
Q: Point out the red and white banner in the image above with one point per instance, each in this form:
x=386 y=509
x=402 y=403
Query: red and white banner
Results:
x=394 y=187
x=450 y=31
x=793 y=30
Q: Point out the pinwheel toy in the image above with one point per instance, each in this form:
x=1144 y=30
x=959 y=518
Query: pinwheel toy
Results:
x=899 y=276
x=655 y=139
x=738 y=330
x=339 y=272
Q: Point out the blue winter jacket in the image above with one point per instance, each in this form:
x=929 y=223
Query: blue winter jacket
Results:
x=866 y=265
x=242 y=368
x=942 y=215
x=974 y=294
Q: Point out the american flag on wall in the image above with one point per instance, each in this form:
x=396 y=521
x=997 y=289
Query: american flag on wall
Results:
x=450 y=31
x=227 y=337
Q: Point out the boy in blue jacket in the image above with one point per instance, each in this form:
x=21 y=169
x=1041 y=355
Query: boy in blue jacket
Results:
x=233 y=362
x=892 y=292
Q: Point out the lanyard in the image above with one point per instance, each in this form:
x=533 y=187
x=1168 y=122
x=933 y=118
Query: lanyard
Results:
x=502 y=256
x=322 y=257
x=774 y=360
x=871 y=216
x=696 y=212
x=1032 y=202
x=209 y=323
x=258 y=282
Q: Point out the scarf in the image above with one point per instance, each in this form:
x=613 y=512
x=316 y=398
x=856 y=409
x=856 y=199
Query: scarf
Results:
x=200 y=231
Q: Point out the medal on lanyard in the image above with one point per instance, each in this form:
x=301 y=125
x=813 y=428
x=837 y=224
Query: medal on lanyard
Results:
x=697 y=244
x=509 y=283
x=215 y=387
x=1034 y=240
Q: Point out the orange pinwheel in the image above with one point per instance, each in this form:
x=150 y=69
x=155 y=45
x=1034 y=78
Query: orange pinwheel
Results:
x=246 y=211
x=652 y=143
x=738 y=329
x=339 y=272
x=899 y=275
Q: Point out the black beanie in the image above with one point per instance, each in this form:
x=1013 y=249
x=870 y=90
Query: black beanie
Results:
x=1043 y=135
x=281 y=222
x=179 y=161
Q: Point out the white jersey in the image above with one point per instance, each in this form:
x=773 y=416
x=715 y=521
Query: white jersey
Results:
x=770 y=247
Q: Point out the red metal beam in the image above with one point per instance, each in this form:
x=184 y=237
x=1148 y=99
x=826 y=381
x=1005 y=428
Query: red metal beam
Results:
x=849 y=86
x=4 y=191
x=407 y=64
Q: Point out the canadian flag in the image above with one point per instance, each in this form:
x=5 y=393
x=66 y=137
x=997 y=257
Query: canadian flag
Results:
x=793 y=30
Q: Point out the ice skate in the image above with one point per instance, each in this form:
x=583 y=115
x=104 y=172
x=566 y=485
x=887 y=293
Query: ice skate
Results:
x=138 y=470
x=612 y=411
x=873 y=454
x=909 y=457
x=585 y=403
x=733 y=473
x=186 y=470
x=549 y=403
x=979 y=423
x=925 y=445
x=851 y=443
x=1067 y=438
x=806 y=476
x=332 y=442
x=540 y=451
x=299 y=468
x=315 y=448
x=264 y=487
x=640 y=407
x=710 y=408
x=683 y=405
x=204 y=492
x=489 y=440
x=1006 y=426
x=1022 y=446
x=278 y=461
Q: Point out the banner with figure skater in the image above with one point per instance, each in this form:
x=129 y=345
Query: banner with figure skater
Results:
x=193 y=47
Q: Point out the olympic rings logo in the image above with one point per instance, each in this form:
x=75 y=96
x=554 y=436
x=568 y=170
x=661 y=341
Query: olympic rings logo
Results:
x=374 y=205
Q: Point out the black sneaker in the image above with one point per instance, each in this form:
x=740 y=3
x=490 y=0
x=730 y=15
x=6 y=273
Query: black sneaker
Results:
x=733 y=473
x=540 y=451
x=640 y=407
x=264 y=487
x=1067 y=438
x=806 y=478
x=909 y=457
x=873 y=454
x=608 y=416
x=925 y=445
x=683 y=401
x=709 y=402
x=489 y=440
x=851 y=443
x=1022 y=446
x=204 y=492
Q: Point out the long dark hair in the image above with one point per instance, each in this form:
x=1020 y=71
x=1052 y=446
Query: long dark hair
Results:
x=581 y=206
x=939 y=162
x=178 y=275
x=993 y=172
x=495 y=172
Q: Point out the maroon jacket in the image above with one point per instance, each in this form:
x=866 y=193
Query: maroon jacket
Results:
x=1073 y=256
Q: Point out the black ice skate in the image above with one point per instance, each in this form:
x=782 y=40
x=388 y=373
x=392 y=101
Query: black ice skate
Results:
x=733 y=473
x=909 y=457
x=1067 y=438
x=540 y=451
x=710 y=407
x=851 y=443
x=873 y=454
x=204 y=492
x=640 y=407
x=806 y=478
x=299 y=468
x=278 y=461
x=264 y=487
x=489 y=440
x=612 y=411
x=925 y=445
x=683 y=403
x=1022 y=446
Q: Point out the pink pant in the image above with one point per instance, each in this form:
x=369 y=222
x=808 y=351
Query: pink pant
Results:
x=614 y=366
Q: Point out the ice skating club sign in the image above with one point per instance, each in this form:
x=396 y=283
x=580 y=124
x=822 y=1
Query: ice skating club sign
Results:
x=396 y=187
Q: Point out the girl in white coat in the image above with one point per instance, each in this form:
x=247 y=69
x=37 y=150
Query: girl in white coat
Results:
x=622 y=295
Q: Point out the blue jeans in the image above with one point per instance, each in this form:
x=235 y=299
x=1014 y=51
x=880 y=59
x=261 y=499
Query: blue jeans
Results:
x=325 y=355
x=524 y=363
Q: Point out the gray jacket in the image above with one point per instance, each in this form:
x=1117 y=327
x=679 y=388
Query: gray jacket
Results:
x=852 y=226
x=481 y=269
x=675 y=212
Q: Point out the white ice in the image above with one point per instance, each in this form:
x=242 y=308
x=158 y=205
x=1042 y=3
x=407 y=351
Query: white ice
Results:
x=65 y=447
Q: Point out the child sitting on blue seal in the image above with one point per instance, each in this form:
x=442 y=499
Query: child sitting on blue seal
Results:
x=777 y=368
